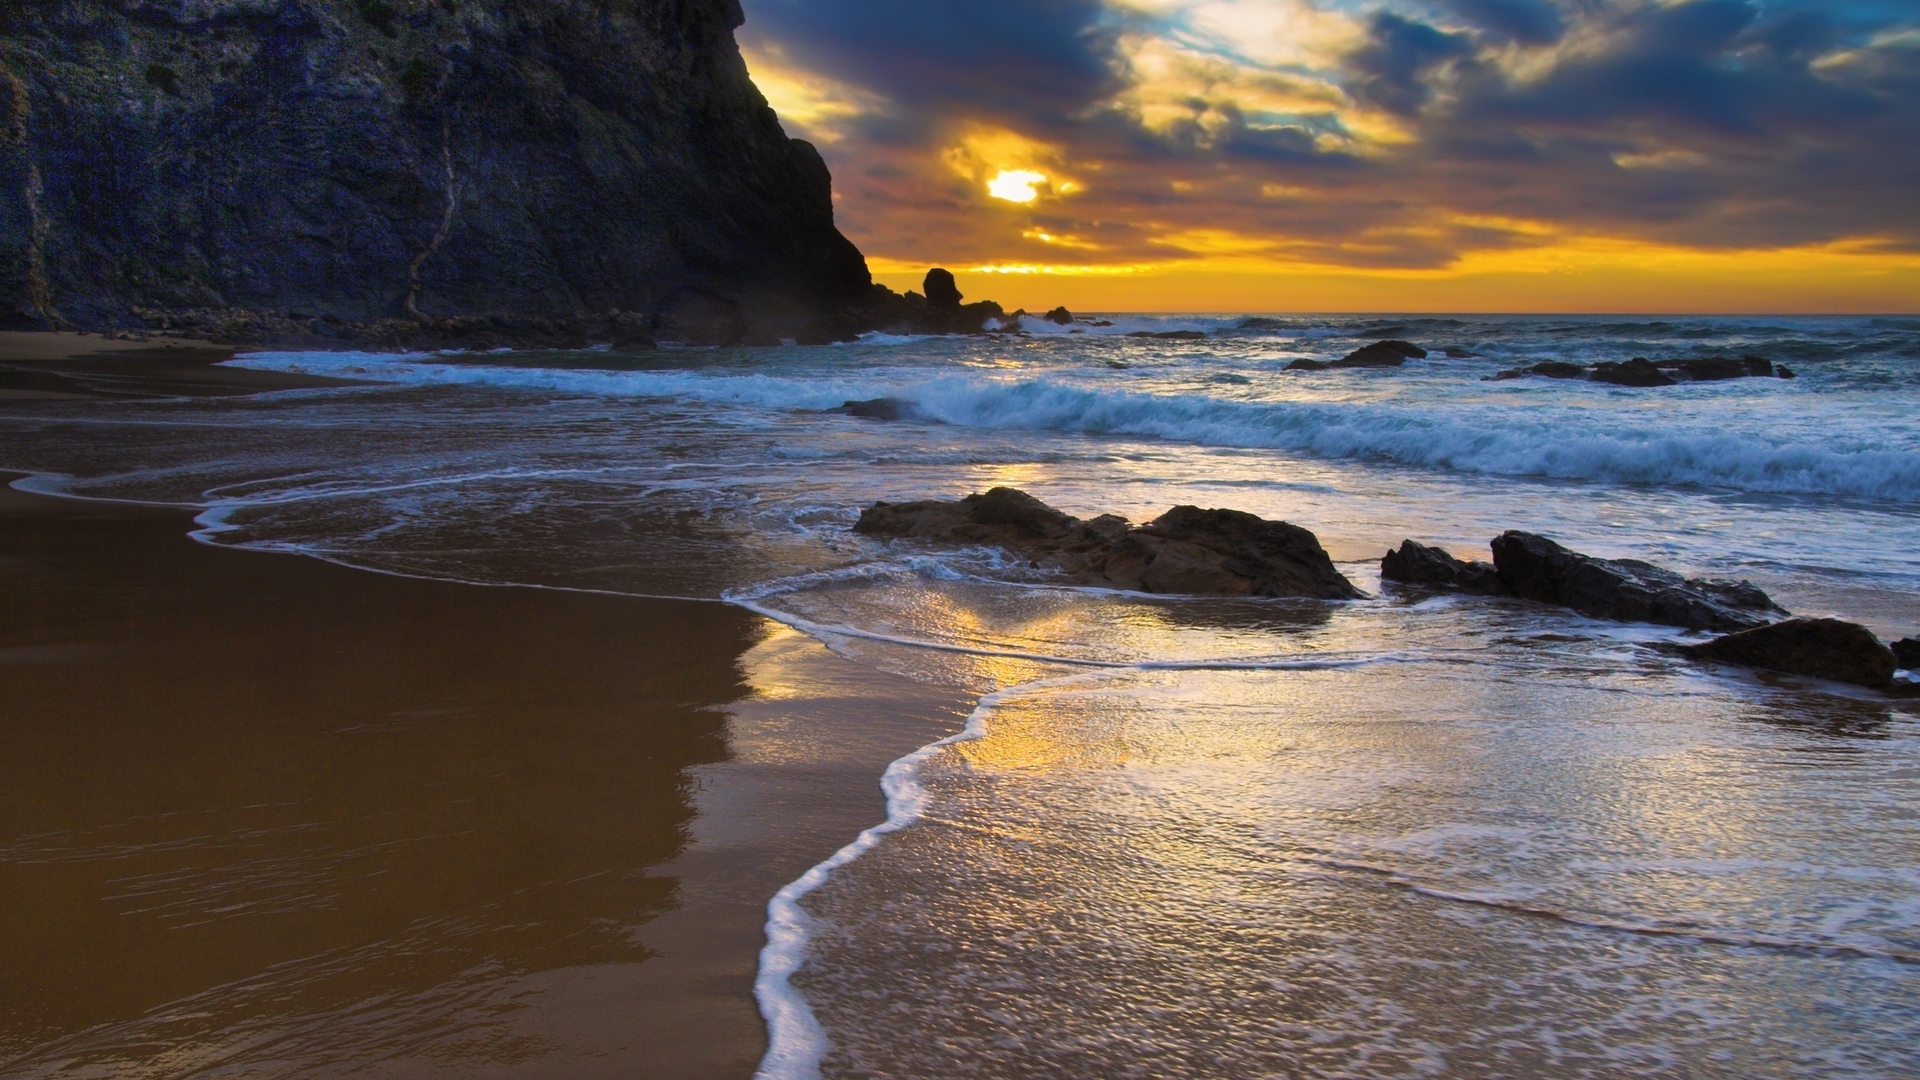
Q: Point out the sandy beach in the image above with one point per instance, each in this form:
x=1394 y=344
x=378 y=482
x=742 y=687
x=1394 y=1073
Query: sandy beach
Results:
x=72 y=366
x=271 y=816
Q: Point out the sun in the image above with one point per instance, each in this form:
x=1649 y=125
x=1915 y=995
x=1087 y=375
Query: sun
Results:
x=1016 y=185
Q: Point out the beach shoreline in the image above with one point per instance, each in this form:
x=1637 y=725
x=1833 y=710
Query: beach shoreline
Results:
x=73 y=366
x=276 y=811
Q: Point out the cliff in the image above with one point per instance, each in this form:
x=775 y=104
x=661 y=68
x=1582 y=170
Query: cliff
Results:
x=300 y=166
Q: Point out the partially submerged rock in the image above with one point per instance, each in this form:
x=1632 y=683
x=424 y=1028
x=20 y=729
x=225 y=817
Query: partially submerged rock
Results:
x=1059 y=316
x=1906 y=653
x=1816 y=648
x=1187 y=550
x=882 y=408
x=1536 y=568
x=1418 y=564
x=1552 y=369
x=1304 y=364
x=1638 y=372
x=1381 y=354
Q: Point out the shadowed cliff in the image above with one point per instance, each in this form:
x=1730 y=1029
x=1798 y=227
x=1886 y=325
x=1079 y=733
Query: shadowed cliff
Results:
x=323 y=163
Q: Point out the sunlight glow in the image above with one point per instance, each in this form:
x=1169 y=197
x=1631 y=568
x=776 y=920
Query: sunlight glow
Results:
x=1016 y=185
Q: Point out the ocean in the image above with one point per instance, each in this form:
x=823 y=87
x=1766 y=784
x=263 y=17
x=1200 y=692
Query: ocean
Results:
x=1411 y=835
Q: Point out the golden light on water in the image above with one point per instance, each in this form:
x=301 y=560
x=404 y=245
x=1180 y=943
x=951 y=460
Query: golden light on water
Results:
x=1016 y=185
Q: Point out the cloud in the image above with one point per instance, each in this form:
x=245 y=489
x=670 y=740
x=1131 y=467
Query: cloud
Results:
x=1374 y=134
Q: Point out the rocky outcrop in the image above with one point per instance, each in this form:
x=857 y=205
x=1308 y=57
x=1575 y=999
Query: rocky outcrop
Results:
x=1552 y=369
x=1187 y=550
x=1381 y=354
x=1720 y=368
x=1535 y=568
x=1816 y=648
x=1429 y=567
x=1059 y=316
x=1906 y=653
x=1637 y=372
x=353 y=161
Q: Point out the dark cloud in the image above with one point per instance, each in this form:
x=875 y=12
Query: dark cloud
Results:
x=1534 y=22
x=1003 y=57
x=1391 y=69
x=1710 y=123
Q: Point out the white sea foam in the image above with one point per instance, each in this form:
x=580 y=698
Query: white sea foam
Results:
x=1788 y=449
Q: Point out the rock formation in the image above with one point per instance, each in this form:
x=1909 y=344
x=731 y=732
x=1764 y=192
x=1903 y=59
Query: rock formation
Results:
x=1381 y=354
x=1187 y=550
x=1535 y=568
x=1417 y=564
x=1816 y=648
x=1906 y=652
x=1637 y=372
x=358 y=160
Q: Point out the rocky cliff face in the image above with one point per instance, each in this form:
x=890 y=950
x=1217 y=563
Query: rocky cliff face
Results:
x=366 y=159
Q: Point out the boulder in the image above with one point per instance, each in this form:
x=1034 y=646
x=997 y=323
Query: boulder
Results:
x=1060 y=316
x=1417 y=564
x=1817 y=648
x=1719 y=368
x=1186 y=550
x=1536 y=568
x=1304 y=364
x=1552 y=369
x=1381 y=354
x=943 y=293
x=1906 y=653
x=1638 y=371
x=883 y=408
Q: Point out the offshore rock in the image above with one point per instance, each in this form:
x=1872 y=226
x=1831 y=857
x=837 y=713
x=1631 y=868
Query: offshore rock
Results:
x=1381 y=354
x=1816 y=648
x=1304 y=364
x=1059 y=316
x=943 y=293
x=883 y=408
x=1638 y=372
x=1187 y=550
x=1720 y=368
x=529 y=160
x=1420 y=565
x=1906 y=652
x=1552 y=369
x=1535 y=568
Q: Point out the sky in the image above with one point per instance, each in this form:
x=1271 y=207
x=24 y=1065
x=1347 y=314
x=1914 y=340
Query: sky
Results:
x=1367 y=155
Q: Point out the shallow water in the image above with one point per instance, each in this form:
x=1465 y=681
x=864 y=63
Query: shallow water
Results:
x=1401 y=836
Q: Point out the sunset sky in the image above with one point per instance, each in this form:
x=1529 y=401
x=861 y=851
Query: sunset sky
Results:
x=1274 y=155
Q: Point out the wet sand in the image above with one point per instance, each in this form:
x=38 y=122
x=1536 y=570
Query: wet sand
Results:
x=70 y=366
x=265 y=816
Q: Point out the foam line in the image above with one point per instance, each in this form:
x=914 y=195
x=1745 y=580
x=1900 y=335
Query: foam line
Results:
x=1595 y=922
x=796 y=1042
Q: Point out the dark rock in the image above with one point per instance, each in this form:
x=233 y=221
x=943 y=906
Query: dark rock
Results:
x=1186 y=550
x=1711 y=369
x=1552 y=369
x=1060 y=316
x=1785 y=372
x=1758 y=367
x=943 y=294
x=1638 y=371
x=522 y=158
x=1170 y=335
x=1381 y=354
x=1816 y=648
x=1417 y=564
x=1906 y=652
x=1462 y=354
x=1535 y=568
x=885 y=408
x=1304 y=364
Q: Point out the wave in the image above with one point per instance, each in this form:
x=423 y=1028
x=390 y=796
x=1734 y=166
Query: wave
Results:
x=1565 y=439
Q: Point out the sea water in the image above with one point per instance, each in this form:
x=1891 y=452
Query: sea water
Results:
x=1409 y=835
